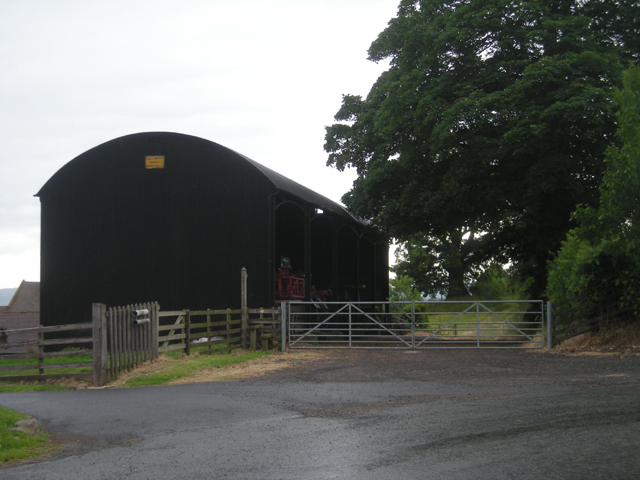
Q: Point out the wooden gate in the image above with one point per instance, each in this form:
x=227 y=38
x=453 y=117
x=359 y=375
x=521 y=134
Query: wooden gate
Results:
x=123 y=338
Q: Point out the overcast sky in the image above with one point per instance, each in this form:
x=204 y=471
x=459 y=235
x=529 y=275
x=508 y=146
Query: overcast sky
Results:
x=260 y=77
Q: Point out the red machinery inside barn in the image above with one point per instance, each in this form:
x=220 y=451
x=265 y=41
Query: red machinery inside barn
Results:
x=292 y=287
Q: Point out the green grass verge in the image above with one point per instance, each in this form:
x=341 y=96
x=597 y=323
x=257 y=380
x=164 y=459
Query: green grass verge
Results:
x=448 y=320
x=32 y=388
x=178 y=366
x=16 y=446
x=182 y=366
x=54 y=360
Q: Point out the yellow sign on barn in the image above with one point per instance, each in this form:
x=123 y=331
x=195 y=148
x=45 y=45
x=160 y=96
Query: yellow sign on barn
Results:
x=154 y=162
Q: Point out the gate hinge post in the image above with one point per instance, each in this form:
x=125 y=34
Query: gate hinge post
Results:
x=549 y=325
x=413 y=325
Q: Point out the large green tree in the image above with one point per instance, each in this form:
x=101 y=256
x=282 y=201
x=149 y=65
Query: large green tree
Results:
x=600 y=260
x=486 y=131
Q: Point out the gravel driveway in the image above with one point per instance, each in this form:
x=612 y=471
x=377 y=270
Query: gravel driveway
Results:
x=358 y=415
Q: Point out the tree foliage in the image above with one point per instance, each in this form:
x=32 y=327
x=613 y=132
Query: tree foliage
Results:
x=495 y=282
x=600 y=259
x=486 y=131
x=401 y=289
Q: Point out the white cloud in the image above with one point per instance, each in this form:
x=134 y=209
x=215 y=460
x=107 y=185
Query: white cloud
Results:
x=262 y=78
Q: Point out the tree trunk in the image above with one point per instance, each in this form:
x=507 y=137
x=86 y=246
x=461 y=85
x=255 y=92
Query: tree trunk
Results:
x=455 y=265
x=457 y=288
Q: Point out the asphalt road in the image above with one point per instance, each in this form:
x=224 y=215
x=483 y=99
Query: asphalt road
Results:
x=361 y=415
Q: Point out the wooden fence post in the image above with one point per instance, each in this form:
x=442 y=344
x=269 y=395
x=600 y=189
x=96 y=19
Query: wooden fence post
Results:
x=40 y=352
x=187 y=331
x=252 y=338
x=243 y=306
x=208 y=333
x=99 y=344
x=228 y=330
x=155 y=323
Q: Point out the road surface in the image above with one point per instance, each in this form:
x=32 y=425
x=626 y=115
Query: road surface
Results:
x=358 y=415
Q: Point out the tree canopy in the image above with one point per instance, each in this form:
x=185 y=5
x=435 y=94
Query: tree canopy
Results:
x=600 y=260
x=486 y=131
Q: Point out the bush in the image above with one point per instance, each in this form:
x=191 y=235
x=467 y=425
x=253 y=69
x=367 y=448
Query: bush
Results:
x=600 y=259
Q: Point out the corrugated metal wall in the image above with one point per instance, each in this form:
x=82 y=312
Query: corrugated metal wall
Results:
x=117 y=233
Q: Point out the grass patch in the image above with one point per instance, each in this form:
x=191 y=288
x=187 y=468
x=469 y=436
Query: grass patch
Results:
x=32 y=388
x=47 y=361
x=34 y=361
x=446 y=319
x=16 y=446
x=174 y=365
x=182 y=366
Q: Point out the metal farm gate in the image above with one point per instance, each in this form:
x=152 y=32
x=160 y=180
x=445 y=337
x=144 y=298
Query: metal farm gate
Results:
x=416 y=325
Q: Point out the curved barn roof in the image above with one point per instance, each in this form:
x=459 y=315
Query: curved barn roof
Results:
x=289 y=186
x=279 y=181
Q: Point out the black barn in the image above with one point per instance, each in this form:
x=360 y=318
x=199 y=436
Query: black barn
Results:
x=173 y=218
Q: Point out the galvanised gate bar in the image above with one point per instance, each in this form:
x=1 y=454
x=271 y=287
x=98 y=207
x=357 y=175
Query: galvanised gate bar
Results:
x=416 y=325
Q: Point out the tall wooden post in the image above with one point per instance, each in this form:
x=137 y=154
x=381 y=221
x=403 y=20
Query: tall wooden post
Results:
x=40 y=352
x=187 y=332
x=228 y=330
x=155 y=323
x=244 y=311
x=99 y=344
x=208 y=333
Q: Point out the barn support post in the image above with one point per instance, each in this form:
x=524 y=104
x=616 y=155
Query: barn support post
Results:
x=307 y=258
x=99 y=344
x=335 y=265
x=244 y=311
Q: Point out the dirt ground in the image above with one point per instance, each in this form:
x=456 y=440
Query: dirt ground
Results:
x=583 y=359
x=251 y=369
x=507 y=366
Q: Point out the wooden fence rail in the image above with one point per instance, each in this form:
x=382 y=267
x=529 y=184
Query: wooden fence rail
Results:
x=124 y=337
x=218 y=330
x=34 y=349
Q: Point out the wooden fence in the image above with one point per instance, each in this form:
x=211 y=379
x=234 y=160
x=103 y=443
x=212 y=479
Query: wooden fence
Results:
x=569 y=319
x=125 y=337
x=218 y=330
x=35 y=349
x=268 y=324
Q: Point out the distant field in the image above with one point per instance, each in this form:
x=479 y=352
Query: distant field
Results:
x=5 y=295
